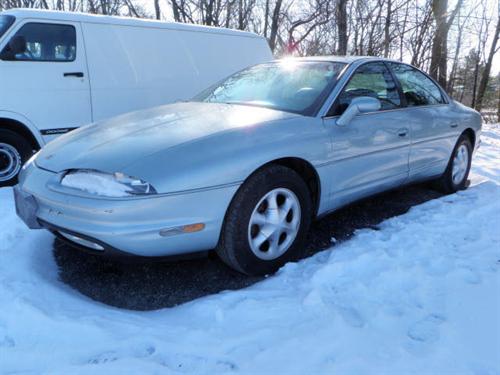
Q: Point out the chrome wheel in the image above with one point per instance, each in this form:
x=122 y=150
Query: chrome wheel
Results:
x=10 y=162
x=460 y=164
x=274 y=224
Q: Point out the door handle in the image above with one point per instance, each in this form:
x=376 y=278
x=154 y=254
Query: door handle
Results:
x=74 y=74
x=403 y=132
x=453 y=125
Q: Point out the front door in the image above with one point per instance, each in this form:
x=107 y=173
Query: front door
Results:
x=370 y=154
x=48 y=83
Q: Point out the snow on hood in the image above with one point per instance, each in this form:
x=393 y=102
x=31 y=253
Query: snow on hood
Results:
x=113 y=144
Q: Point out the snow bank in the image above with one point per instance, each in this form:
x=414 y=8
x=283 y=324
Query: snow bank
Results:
x=420 y=295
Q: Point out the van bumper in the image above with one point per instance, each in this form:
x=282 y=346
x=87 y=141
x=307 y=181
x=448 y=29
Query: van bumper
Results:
x=145 y=226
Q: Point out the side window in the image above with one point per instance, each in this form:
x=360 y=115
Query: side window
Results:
x=372 y=79
x=42 y=42
x=418 y=89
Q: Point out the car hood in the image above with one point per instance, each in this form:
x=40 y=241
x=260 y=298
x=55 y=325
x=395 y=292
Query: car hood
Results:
x=111 y=145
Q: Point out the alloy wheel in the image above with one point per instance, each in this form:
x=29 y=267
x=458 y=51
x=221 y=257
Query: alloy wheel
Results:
x=274 y=224
x=460 y=164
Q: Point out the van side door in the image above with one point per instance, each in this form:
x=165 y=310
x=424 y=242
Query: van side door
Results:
x=44 y=75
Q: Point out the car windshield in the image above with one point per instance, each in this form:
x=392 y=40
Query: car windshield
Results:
x=5 y=23
x=287 y=85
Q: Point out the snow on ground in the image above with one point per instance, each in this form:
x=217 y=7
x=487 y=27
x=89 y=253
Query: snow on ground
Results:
x=420 y=295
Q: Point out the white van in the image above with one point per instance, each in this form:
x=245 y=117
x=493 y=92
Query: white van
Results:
x=61 y=70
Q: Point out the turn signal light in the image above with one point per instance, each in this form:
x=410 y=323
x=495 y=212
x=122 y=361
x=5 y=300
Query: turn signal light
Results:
x=191 y=228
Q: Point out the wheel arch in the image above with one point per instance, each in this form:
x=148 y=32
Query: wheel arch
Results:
x=305 y=170
x=23 y=130
x=471 y=134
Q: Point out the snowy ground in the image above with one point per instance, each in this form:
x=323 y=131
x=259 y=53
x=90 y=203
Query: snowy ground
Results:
x=420 y=295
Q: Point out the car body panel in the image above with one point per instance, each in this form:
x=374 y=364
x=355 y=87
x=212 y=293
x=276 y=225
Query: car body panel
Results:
x=368 y=155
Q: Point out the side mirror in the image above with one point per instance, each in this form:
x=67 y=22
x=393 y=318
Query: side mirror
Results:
x=361 y=104
x=16 y=46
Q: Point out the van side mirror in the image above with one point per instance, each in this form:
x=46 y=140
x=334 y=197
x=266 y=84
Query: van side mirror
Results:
x=361 y=104
x=16 y=46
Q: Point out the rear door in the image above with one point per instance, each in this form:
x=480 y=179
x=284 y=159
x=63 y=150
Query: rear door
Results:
x=370 y=154
x=48 y=83
x=433 y=126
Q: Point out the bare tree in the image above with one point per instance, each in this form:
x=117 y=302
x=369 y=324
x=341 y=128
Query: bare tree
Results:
x=439 y=57
x=487 y=69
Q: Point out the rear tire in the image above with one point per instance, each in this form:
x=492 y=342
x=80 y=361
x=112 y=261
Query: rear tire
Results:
x=267 y=222
x=457 y=171
x=14 y=152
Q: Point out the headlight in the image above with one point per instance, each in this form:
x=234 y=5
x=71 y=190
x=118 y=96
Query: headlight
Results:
x=106 y=184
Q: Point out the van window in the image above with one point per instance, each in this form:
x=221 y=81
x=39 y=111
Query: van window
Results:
x=418 y=89
x=45 y=42
x=5 y=23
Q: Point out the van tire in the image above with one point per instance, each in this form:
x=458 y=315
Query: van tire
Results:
x=15 y=150
x=235 y=247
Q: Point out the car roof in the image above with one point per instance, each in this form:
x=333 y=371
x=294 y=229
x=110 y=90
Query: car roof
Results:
x=123 y=21
x=342 y=59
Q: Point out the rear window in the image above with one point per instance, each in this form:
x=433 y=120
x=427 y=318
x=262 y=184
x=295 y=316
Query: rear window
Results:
x=5 y=23
x=418 y=89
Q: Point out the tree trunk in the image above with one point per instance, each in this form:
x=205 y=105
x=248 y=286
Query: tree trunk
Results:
x=387 y=34
x=275 y=24
x=240 y=15
x=451 y=81
x=157 y=9
x=439 y=8
x=439 y=56
x=266 y=19
x=487 y=69
x=474 y=86
x=342 y=26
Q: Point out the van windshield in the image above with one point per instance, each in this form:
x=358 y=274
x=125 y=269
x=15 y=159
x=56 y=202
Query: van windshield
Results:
x=5 y=23
x=287 y=85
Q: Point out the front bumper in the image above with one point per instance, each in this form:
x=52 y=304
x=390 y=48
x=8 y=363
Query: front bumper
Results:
x=131 y=225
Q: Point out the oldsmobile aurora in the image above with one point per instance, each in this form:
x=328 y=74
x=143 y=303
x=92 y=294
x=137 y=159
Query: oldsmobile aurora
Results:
x=245 y=166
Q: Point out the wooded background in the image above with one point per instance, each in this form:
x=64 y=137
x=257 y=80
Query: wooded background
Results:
x=454 y=41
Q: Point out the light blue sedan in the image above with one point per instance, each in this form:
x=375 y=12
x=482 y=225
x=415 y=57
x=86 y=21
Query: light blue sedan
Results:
x=248 y=164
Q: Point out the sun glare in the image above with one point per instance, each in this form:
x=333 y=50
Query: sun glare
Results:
x=289 y=64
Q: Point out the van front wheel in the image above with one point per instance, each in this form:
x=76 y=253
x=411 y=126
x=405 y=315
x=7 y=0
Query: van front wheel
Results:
x=14 y=151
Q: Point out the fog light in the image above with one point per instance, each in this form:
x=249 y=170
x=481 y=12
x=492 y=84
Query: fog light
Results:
x=83 y=242
x=191 y=228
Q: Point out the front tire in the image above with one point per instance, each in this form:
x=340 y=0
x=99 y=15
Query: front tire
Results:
x=267 y=222
x=14 y=151
x=457 y=171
